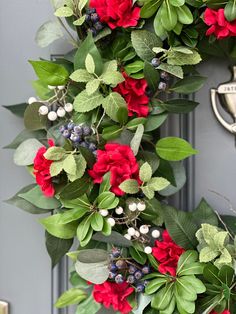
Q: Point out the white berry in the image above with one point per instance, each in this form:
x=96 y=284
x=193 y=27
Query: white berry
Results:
x=61 y=112
x=156 y=234
x=52 y=116
x=127 y=236
x=141 y=206
x=111 y=221
x=131 y=231
x=132 y=207
x=51 y=87
x=68 y=107
x=31 y=100
x=144 y=229
x=61 y=87
x=137 y=234
x=119 y=210
x=103 y=212
x=43 y=110
x=148 y=250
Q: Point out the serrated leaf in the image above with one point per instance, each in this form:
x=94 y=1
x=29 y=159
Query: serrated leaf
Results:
x=136 y=140
x=158 y=183
x=207 y=254
x=69 y=165
x=92 y=86
x=178 y=58
x=54 y=153
x=148 y=192
x=84 y=102
x=89 y=64
x=112 y=103
x=145 y=172
x=129 y=186
x=81 y=75
x=56 y=168
x=112 y=78
x=64 y=12
x=175 y=70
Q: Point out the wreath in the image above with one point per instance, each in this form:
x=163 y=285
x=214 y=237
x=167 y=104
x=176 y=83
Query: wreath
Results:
x=93 y=145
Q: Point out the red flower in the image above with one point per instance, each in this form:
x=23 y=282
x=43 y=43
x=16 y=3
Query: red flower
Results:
x=117 y=13
x=224 y=312
x=167 y=253
x=42 y=171
x=133 y=91
x=120 y=161
x=111 y=293
x=219 y=26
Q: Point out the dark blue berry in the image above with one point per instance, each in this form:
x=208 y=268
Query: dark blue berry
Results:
x=140 y=288
x=130 y=279
x=165 y=76
x=91 y=11
x=70 y=126
x=155 y=62
x=66 y=133
x=162 y=86
x=93 y=31
x=132 y=269
x=115 y=252
x=146 y=282
x=86 y=130
x=113 y=268
x=119 y=279
x=94 y=17
x=121 y=264
x=146 y=270
x=98 y=26
x=78 y=129
x=92 y=147
x=84 y=144
x=62 y=128
x=87 y=18
x=112 y=275
x=138 y=274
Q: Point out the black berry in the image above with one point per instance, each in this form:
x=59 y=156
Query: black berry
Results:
x=155 y=62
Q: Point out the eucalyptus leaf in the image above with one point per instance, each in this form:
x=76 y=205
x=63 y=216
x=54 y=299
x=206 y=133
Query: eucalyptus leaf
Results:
x=26 y=152
x=48 y=33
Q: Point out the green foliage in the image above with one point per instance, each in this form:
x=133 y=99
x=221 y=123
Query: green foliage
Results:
x=72 y=296
x=89 y=306
x=17 y=110
x=75 y=189
x=136 y=140
x=181 y=292
x=25 y=153
x=48 y=33
x=179 y=105
x=114 y=238
x=32 y=120
x=189 y=84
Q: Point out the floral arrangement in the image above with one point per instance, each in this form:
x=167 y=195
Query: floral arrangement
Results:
x=101 y=169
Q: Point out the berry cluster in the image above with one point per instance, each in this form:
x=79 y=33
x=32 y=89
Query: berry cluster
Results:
x=164 y=75
x=79 y=135
x=93 y=21
x=122 y=270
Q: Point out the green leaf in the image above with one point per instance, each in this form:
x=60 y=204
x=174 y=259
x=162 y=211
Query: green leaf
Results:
x=230 y=10
x=145 y=172
x=154 y=122
x=111 y=132
x=129 y=186
x=69 y=165
x=192 y=269
x=92 y=265
x=143 y=301
x=184 y=15
x=21 y=203
x=75 y=189
x=155 y=285
x=89 y=64
x=148 y=192
x=89 y=306
x=48 y=33
x=178 y=58
x=112 y=78
x=179 y=105
x=122 y=115
x=163 y=297
x=136 y=140
x=107 y=200
x=177 y=3
x=72 y=296
x=56 y=168
x=82 y=4
x=134 y=123
x=143 y=42
x=168 y=16
x=105 y=185
x=181 y=228
x=84 y=228
x=84 y=102
x=149 y=8
x=204 y=214
x=172 y=69
x=97 y=222
x=210 y=273
x=92 y=86
x=189 y=84
x=64 y=12
x=158 y=184
x=226 y=275
x=153 y=212
x=57 y=248
x=138 y=256
x=32 y=119
x=36 y=197
x=88 y=47
x=185 y=259
x=174 y=149
x=26 y=152
x=207 y=254
x=55 y=153
x=50 y=73
x=134 y=67
x=114 y=238
x=112 y=103
x=80 y=21
x=158 y=26
x=88 y=156
x=81 y=76
x=41 y=90
x=62 y=231
x=151 y=75
x=17 y=110
x=72 y=214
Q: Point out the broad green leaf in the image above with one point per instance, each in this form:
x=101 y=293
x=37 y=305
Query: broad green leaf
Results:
x=145 y=172
x=92 y=86
x=107 y=228
x=122 y=115
x=168 y=16
x=81 y=76
x=226 y=275
x=134 y=67
x=163 y=297
x=194 y=282
x=158 y=183
x=189 y=84
x=186 y=258
x=32 y=119
x=107 y=200
x=41 y=90
x=112 y=103
x=177 y=3
x=89 y=64
x=155 y=285
x=230 y=10
x=72 y=296
x=159 y=27
x=62 y=231
x=143 y=42
x=192 y=269
x=64 y=12
x=129 y=186
x=81 y=202
x=136 y=140
x=148 y=192
x=175 y=70
x=134 y=123
x=105 y=185
x=72 y=215
x=89 y=306
x=111 y=132
x=82 y=4
x=50 y=73
x=154 y=122
x=184 y=14
x=84 y=228
x=48 y=33
x=75 y=189
x=36 y=197
x=151 y=75
x=149 y=8
x=114 y=238
x=211 y=274
x=57 y=247
x=174 y=149
x=55 y=153
x=84 y=102
x=56 y=168
x=97 y=222
x=17 y=110
x=92 y=265
x=26 y=152
x=204 y=214
x=178 y=58
x=80 y=21
x=153 y=212
x=112 y=78
x=179 y=105
x=69 y=165
x=138 y=256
